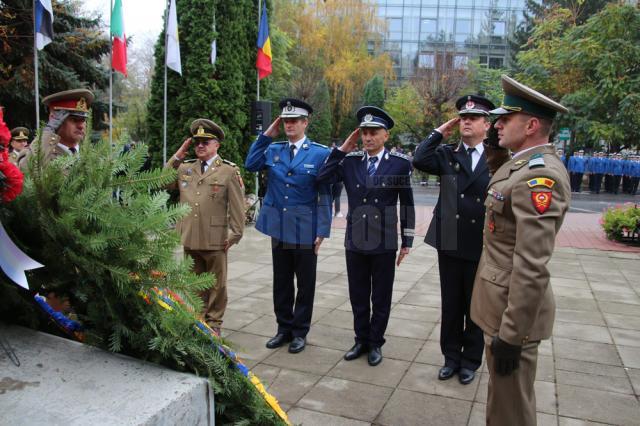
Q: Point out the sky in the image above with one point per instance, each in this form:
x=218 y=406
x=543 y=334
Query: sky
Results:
x=142 y=18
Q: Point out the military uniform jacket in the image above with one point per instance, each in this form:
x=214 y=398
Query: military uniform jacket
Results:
x=295 y=210
x=13 y=157
x=216 y=199
x=49 y=141
x=528 y=198
x=456 y=227
x=372 y=219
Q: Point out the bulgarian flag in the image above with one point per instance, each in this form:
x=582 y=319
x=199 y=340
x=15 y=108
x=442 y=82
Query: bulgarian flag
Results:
x=263 y=62
x=119 y=43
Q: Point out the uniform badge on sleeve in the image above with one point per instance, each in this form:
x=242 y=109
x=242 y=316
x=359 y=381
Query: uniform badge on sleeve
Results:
x=541 y=200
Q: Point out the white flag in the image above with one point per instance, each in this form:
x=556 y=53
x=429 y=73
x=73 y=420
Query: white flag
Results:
x=214 y=52
x=173 y=41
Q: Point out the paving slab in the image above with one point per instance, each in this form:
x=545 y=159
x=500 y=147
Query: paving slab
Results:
x=630 y=356
x=626 y=337
x=346 y=398
x=313 y=359
x=620 y=308
x=622 y=321
x=291 y=385
x=406 y=408
x=415 y=313
x=388 y=373
x=580 y=317
x=401 y=348
x=576 y=331
x=407 y=328
x=597 y=405
x=586 y=351
x=424 y=378
x=313 y=418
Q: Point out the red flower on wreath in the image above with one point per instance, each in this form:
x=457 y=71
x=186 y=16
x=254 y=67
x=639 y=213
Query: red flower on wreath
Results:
x=11 y=178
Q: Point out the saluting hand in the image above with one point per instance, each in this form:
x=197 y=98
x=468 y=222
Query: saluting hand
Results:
x=447 y=128
x=182 y=151
x=404 y=252
x=351 y=143
x=274 y=128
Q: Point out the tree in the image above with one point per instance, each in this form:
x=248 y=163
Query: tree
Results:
x=222 y=92
x=374 y=92
x=333 y=39
x=69 y=62
x=594 y=68
x=320 y=123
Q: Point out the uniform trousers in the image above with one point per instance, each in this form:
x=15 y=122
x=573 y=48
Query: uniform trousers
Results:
x=461 y=339
x=598 y=183
x=293 y=311
x=511 y=400
x=615 y=184
x=370 y=289
x=214 y=298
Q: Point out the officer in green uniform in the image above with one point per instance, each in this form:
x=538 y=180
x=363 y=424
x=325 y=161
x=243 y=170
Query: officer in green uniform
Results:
x=19 y=141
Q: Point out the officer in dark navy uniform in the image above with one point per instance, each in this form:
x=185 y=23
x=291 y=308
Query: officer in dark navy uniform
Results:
x=374 y=180
x=296 y=214
x=456 y=229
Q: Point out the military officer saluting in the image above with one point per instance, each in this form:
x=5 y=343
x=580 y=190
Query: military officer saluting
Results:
x=213 y=188
x=296 y=214
x=19 y=141
x=67 y=125
x=456 y=228
x=375 y=179
x=512 y=300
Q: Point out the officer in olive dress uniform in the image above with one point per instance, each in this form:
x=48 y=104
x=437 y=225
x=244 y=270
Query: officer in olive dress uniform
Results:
x=375 y=180
x=296 y=214
x=19 y=141
x=214 y=190
x=456 y=229
x=512 y=300
x=66 y=128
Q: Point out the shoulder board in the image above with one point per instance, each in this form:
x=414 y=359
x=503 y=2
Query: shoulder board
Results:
x=319 y=144
x=229 y=163
x=451 y=144
x=355 y=154
x=279 y=142
x=536 y=160
x=192 y=160
x=397 y=154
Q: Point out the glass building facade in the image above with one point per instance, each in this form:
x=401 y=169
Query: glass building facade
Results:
x=421 y=33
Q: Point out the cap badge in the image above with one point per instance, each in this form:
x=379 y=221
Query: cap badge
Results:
x=289 y=106
x=22 y=135
x=200 y=131
x=82 y=105
x=368 y=118
x=470 y=105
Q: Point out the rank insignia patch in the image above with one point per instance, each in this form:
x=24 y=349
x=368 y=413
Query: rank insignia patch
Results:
x=541 y=181
x=541 y=200
x=536 y=160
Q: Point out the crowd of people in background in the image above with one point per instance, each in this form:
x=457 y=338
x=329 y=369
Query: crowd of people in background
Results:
x=618 y=172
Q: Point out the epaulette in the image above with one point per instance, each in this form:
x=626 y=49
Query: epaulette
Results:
x=192 y=160
x=399 y=155
x=229 y=163
x=536 y=160
x=355 y=154
x=279 y=142
x=319 y=144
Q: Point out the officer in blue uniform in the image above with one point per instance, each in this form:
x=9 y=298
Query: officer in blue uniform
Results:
x=576 y=170
x=374 y=180
x=456 y=229
x=296 y=214
x=635 y=174
x=616 y=170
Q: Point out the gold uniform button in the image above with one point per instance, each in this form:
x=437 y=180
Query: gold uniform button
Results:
x=197 y=204
x=478 y=199
x=195 y=215
x=287 y=185
x=457 y=216
x=284 y=209
x=375 y=217
x=375 y=200
x=289 y=174
x=364 y=215
x=493 y=277
x=286 y=197
x=473 y=221
x=197 y=193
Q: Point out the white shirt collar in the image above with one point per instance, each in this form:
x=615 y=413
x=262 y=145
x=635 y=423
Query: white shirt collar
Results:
x=67 y=150
x=298 y=143
x=479 y=148
x=379 y=155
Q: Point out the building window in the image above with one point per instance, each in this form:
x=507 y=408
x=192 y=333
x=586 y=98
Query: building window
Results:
x=428 y=27
x=460 y=62
x=426 y=60
x=499 y=28
x=483 y=60
x=496 y=62
x=394 y=28
x=463 y=26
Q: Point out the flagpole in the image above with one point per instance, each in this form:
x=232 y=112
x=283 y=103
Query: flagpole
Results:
x=164 y=121
x=257 y=70
x=110 y=78
x=35 y=63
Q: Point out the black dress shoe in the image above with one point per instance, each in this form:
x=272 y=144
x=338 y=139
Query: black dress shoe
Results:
x=375 y=356
x=297 y=345
x=357 y=350
x=278 y=340
x=446 y=373
x=466 y=376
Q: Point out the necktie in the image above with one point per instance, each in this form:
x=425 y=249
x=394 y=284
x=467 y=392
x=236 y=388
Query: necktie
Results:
x=73 y=150
x=470 y=152
x=292 y=152
x=203 y=166
x=372 y=165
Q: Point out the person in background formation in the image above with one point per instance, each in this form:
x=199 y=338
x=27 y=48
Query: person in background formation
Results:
x=214 y=190
x=627 y=166
x=66 y=128
x=560 y=154
x=336 y=192
x=512 y=301
x=456 y=228
x=599 y=170
x=635 y=174
x=617 y=166
x=19 y=141
x=375 y=180
x=296 y=214
x=576 y=167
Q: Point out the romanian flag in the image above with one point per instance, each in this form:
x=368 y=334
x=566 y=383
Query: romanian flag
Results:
x=263 y=62
x=119 y=43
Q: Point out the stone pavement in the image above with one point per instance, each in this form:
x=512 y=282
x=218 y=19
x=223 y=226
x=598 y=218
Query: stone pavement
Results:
x=588 y=372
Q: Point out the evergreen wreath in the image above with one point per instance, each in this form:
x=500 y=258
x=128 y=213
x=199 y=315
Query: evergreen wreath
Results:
x=104 y=231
